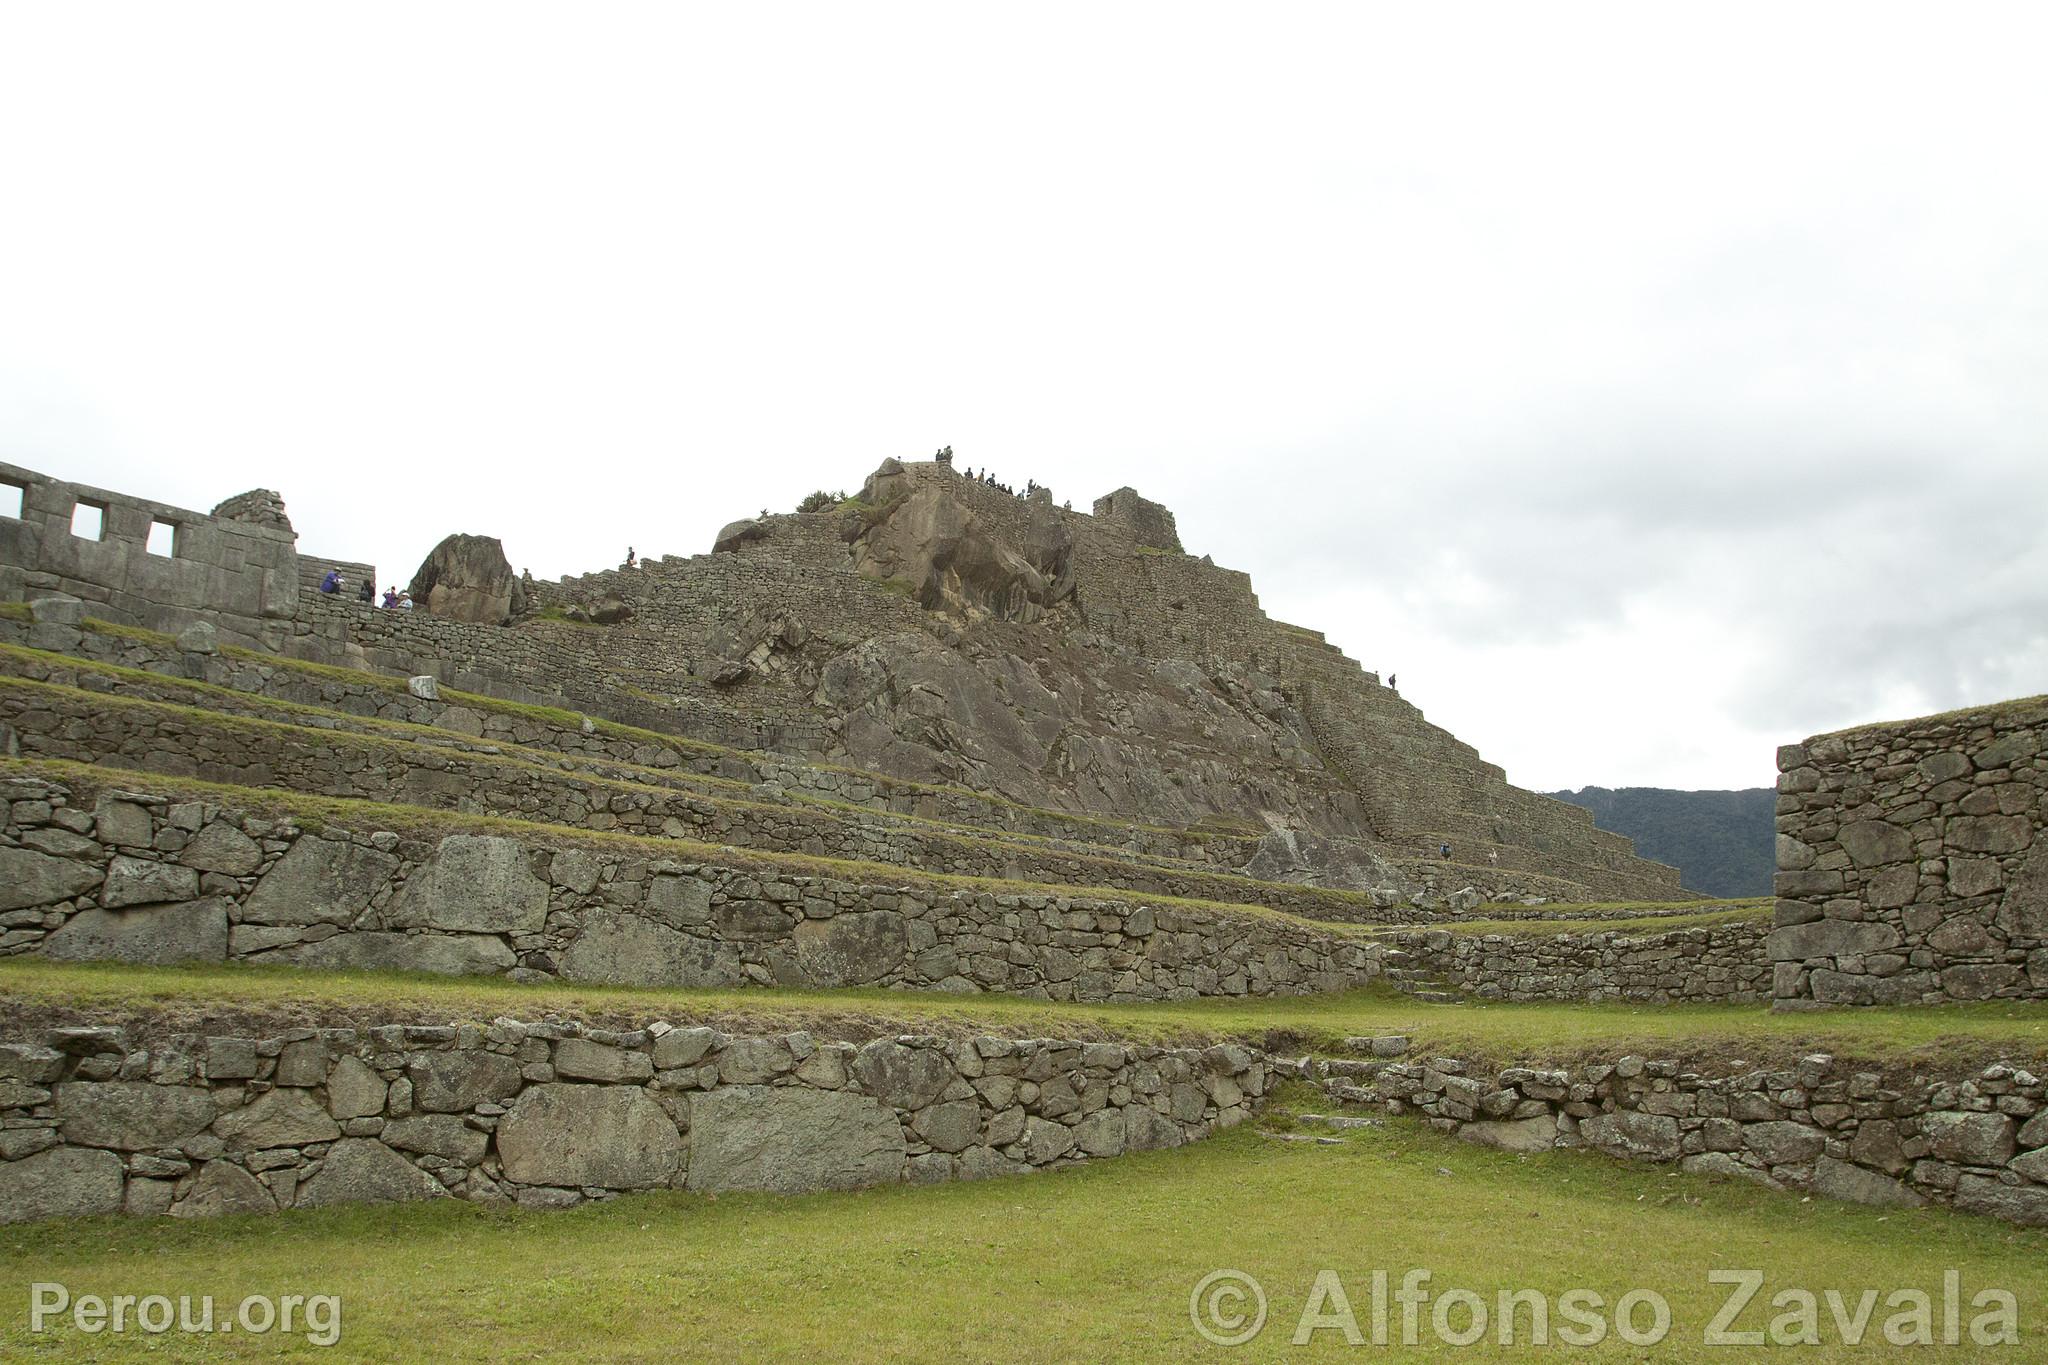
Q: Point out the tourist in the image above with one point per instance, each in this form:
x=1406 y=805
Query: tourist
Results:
x=369 y=592
x=1493 y=856
x=1445 y=850
x=632 y=560
x=1393 y=683
x=390 y=597
x=405 y=604
x=332 y=583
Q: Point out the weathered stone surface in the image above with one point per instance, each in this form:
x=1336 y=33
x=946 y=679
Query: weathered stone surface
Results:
x=29 y=879
x=354 y=1091
x=2023 y=1204
x=443 y=1135
x=64 y=1182
x=467 y=578
x=901 y=1077
x=1779 y=1142
x=276 y=1118
x=929 y=539
x=223 y=1187
x=1843 y=1180
x=142 y=881
x=1873 y=843
x=365 y=1171
x=1831 y=938
x=1629 y=1133
x=1971 y=1139
x=1990 y=833
x=851 y=949
x=131 y=1116
x=196 y=931
x=576 y=1135
x=375 y=950
x=788 y=1139
x=1535 y=1134
x=579 y=1059
x=124 y=824
x=222 y=848
x=474 y=883
x=632 y=950
x=320 y=881
x=449 y=1082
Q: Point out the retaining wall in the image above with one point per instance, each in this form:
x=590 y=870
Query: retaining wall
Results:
x=552 y=1115
x=135 y=876
x=1912 y=867
x=1898 y=1136
x=1702 y=963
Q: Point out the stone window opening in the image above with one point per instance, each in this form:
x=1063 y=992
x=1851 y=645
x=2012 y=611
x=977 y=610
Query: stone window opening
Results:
x=163 y=539
x=13 y=497
x=88 y=521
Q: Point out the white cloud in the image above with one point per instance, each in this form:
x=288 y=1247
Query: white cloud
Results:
x=1647 y=387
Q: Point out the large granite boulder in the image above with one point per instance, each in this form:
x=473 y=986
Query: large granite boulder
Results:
x=365 y=1171
x=790 y=1139
x=131 y=1116
x=320 y=881
x=468 y=578
x=630 y=950
x=28 y=878
x=64 y=1182
x=958 y=558
x=476 y=883
x=196 y=931
x=612 y=1136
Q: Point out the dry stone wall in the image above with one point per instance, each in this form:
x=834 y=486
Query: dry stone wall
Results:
x=50 y=723
x=548 y=1115
x=240 y=575
x=1912 y=866
x=136 y=876
x=1720 y=962
x=1898 y=1137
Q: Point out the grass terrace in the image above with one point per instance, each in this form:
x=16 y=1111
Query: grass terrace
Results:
x=207 y=998
x=1090 y=1263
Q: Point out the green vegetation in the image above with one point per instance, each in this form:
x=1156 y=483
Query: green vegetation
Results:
x=1089 y=1263
x=14 y=611
x=1152 y=550
x=1721 y=842
x=1518 y=1032
x=821 y=501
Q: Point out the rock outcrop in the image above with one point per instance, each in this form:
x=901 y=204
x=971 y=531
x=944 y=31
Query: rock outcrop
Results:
x=468 y=578
x=960 y=559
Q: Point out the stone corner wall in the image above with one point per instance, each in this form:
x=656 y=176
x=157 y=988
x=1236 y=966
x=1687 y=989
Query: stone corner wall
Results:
x=240 y=574
x=1912 y=867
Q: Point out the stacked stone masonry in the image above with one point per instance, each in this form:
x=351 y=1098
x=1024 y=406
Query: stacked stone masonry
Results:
x=1892 y=1137
x=241 y=575
x=135 y=876
x=506 y=766
x=549 y=1115
x=1912 y=865
x=1719 y=962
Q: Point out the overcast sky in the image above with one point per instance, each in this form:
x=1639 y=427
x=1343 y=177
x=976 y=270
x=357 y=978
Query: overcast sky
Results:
x=1647 y=386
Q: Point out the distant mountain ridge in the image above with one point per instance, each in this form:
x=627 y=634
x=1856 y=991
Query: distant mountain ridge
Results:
x=1721 y=842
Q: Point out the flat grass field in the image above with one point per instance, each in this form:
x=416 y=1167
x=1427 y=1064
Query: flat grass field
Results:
x=216 y=999
x=1093 y=1263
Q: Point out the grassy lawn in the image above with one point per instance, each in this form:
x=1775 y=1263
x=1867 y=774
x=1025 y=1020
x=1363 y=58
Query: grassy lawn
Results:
x=1092 y=1263
x=201 y=999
